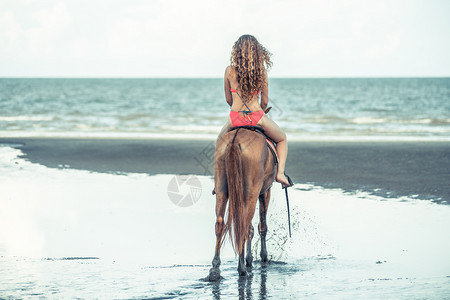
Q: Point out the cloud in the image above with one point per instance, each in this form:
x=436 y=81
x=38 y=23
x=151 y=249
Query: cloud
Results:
x=383 y=48
x=10 y=31
x=52 y=23
x=79 y=48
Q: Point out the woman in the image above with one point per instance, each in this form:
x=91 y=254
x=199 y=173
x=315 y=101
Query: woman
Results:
x=245 y=80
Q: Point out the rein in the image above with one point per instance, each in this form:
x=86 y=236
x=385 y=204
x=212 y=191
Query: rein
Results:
x=289 y=214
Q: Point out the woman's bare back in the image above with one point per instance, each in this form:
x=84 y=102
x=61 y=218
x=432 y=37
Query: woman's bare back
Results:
x=235 y=100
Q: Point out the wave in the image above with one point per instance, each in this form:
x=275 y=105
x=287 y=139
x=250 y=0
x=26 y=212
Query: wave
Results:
x=362 y=120
x=106 y=135
x=191 y=128
x=25 y=118
x=200 y=135
x=368 y=120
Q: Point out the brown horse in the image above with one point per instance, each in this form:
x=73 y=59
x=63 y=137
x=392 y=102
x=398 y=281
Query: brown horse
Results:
x=244 y=172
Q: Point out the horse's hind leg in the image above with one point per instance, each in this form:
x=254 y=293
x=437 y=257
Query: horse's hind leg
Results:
x=250 y=212
x=221 y=203
x=242 y=269
x=249 y=258
x=263 y=205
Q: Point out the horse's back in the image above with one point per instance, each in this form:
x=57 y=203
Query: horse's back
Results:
x=251 y=144
x=257 y=161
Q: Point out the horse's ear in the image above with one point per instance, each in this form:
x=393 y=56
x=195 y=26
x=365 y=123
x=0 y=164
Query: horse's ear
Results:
x=267 y=110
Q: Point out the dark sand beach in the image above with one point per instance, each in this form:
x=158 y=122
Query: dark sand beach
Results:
x=390 y=169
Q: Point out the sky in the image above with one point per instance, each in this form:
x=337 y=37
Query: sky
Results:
x=178 y=38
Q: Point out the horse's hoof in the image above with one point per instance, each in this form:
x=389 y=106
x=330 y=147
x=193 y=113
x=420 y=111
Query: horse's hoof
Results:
x=248 y=262
x=214 y=275
x=242 y=270
x=264 y=257
x=216 y=262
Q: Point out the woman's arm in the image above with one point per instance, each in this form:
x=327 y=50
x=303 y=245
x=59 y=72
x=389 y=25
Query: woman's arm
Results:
x=265 y=92
x=227 y=87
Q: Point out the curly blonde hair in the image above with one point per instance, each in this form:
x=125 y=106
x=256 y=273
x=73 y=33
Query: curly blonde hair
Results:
x=250 y=60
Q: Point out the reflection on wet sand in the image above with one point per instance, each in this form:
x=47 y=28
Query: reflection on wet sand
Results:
x=252 y=286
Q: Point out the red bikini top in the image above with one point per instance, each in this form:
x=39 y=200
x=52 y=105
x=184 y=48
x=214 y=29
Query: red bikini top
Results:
x=235 y=91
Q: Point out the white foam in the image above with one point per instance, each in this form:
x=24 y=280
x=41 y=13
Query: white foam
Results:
x=212 y=136
x=25 y=118
x=365 y=138
x=191 y=128
x=107 y=135
x=368 y=120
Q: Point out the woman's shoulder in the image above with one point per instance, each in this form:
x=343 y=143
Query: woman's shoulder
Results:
x=230 y=71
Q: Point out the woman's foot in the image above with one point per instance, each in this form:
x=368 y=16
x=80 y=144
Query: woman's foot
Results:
x=281 y=178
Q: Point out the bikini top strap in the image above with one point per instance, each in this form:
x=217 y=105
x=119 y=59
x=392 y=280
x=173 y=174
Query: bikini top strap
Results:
x=243 y=101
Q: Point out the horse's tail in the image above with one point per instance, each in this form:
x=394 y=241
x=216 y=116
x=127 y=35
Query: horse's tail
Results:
x=236 y=220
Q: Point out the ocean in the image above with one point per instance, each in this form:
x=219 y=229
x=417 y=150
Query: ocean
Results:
x=317 y=109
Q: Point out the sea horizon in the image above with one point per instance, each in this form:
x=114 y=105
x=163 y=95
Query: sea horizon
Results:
x=221 y=77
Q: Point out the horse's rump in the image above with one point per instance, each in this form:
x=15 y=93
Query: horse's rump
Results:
x=245 y=160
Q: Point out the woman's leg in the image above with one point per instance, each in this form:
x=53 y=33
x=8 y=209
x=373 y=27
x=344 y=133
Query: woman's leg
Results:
x=275 y=133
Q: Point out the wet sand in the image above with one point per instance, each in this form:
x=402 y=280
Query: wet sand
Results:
x=390 y=169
